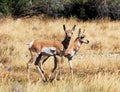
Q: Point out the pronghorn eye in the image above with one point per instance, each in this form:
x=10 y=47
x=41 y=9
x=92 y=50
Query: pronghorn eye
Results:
x=82 y=36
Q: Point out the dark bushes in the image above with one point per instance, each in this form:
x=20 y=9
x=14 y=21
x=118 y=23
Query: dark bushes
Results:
x=82 y=9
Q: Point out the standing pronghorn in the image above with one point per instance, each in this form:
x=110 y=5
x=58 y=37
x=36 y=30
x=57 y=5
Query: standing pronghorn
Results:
x=47 y=48
x=74 y=47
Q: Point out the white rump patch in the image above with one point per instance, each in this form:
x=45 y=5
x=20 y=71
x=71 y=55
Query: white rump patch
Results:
x=49 y=50
x=30 y=44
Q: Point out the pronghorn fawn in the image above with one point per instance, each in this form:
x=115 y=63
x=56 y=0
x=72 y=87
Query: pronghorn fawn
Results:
x=42 y=50
x=74 y=47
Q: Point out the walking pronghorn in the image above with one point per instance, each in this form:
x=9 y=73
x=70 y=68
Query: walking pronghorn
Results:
x=47 y=48
x=74 y=47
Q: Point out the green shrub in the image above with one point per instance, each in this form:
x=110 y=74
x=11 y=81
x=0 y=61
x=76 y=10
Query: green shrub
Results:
x=82 y=9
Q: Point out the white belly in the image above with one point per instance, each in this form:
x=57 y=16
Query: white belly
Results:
x=49 y=50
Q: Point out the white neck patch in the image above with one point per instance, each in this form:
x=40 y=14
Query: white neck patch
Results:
x=78 y=43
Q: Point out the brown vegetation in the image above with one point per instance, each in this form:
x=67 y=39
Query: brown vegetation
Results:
x=96 y=66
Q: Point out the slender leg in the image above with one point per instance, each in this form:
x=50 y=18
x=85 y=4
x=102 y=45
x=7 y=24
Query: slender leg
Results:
x=28 y=68
x=62 y=61
x=55 y=66
x=42 y=75
x=45 y=58
x=59 y=67
x=42 y=61
x=39 y=67
x=70 y=64
x=28 y=65
x=55 y=63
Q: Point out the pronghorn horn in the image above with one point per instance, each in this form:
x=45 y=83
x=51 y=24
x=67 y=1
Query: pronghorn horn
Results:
x=64 y=27
x=79 y=32
x=73 y=28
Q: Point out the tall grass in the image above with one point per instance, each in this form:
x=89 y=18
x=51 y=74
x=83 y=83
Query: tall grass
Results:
x=96 y=66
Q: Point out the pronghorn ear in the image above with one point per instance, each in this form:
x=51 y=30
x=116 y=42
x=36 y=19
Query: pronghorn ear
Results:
x=64 y=27
x=79 y=32
x=73 y=28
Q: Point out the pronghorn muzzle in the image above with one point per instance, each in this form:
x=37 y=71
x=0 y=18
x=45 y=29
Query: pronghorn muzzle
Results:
x=85 y=41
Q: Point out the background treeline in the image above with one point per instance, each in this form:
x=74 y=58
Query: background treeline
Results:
x=82 y=9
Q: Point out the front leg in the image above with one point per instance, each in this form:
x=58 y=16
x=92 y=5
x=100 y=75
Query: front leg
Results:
x=54 y=69
x=70 y=65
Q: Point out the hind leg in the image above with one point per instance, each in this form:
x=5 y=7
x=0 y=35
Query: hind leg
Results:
x=28 y=68
x=38 y=65
x=29 y=63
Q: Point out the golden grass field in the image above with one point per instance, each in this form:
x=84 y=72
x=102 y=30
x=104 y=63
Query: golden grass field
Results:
x=96 y=66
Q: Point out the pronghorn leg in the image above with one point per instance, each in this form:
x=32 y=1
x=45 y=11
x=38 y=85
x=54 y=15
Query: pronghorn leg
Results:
x=60 y=66
x=28 y=65
x=39 y=67
x=70 y=64
x=60 y=62
x=55 y=64
x=28 y=68
x=45 y=58
x=57 y=68
x=59 y=71
x=54 y=69
x=42 y=61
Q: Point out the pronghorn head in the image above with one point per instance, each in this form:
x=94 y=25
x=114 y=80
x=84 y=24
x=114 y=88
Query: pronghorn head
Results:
x=81 y=37
x=69 y=32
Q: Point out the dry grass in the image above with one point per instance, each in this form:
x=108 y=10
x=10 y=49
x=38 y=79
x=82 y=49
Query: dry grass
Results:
x=96 y=66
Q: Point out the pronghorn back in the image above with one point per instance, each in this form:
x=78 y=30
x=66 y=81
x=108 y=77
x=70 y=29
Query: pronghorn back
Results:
x=38 y=45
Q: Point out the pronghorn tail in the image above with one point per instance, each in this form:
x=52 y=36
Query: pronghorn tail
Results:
x=30 y=44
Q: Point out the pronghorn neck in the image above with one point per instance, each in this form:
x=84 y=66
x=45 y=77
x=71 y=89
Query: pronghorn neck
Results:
x=66 y=42
x=77 y=41
x=73 y=48
x=77 y=44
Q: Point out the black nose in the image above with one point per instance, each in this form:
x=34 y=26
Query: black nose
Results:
x=69 y=37
x=87 y=41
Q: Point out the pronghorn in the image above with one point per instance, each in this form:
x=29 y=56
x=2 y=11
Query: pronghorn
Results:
x=47 y=48
x=74 y=47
